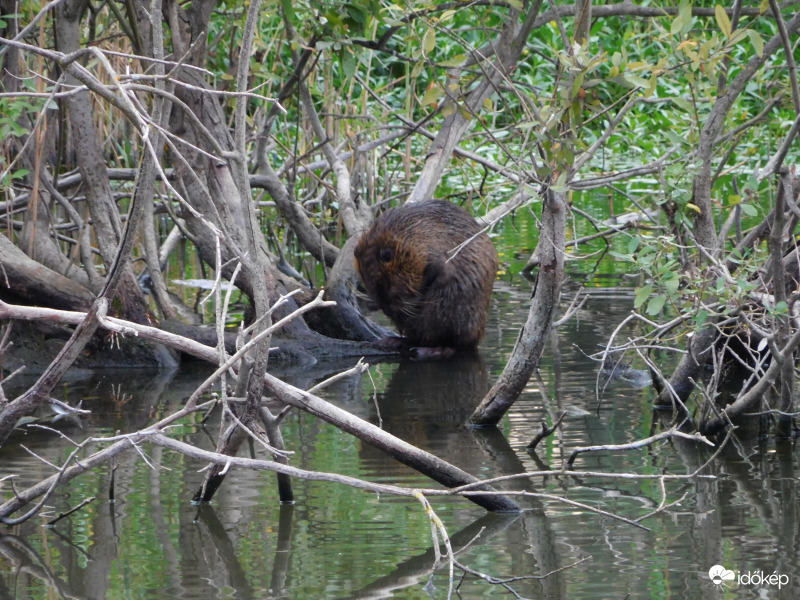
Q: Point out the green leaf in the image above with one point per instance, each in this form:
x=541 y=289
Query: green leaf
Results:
x=289 y=11
x=633 y=244
x=456 y=61
x=677 y=24
x=685 y=11
x=722 y=20
x=758 y=43
x=432 y=94
x=737 y=36
x=671 y=284
x=561 y=183
x=706 y=48
x=749 y=209
x=651 y=86
x=576 y=85
x=620 y=256
x=751 y=183
x=683 y=103
x=348 y=62
x=446 y=16
x=429 y=41
x=701 y=317
x=656 y=304
x=675 y=138
x=642 y=294
x=637 y=81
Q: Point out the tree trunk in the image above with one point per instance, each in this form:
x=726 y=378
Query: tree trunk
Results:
x=527 y=352
x=105 y=216
x=33 y=283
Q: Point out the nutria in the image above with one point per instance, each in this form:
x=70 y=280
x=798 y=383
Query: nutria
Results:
x=436 y=292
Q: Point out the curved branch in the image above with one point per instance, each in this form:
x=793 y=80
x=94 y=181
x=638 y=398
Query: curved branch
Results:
x=531 y=341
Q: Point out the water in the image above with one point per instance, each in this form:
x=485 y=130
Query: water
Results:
x=338 y=542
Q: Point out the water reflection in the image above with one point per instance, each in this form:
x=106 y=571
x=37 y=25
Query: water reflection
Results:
x=342 y=543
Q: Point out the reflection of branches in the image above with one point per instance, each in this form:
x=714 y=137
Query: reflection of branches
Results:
x=26 y=559
x=508 y=580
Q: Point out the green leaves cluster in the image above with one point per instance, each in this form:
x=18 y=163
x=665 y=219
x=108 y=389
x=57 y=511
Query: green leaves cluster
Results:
x=15 y=115
x=657 y=259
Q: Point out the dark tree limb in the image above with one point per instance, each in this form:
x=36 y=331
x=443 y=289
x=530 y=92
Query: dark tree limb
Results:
x=32 y=282
x=745 y=401
x=533 y=337
x=105 y=217
x=786 y=388
x=545 y=432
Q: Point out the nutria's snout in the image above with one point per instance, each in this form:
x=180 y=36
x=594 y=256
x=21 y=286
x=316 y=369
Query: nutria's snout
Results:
x=436 y=292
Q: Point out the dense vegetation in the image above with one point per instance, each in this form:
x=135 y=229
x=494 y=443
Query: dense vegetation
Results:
x=262 y=139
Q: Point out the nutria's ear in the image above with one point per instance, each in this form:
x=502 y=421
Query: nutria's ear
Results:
x=434 y=272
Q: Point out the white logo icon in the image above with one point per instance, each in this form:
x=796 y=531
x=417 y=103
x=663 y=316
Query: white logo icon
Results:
x=718 y=574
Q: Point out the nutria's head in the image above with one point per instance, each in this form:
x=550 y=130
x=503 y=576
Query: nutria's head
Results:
x=410 y=268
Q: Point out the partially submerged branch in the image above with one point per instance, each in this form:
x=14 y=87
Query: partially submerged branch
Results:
x=638 y=444
x=544 y=303
x=409 y=455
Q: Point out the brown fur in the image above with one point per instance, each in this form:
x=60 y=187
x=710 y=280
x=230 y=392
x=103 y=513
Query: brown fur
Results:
x=403 y=262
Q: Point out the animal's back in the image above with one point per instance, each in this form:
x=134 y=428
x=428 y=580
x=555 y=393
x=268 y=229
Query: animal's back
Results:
x=417 y=267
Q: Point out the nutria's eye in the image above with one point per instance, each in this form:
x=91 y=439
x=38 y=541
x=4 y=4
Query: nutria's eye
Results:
x=386 y=255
